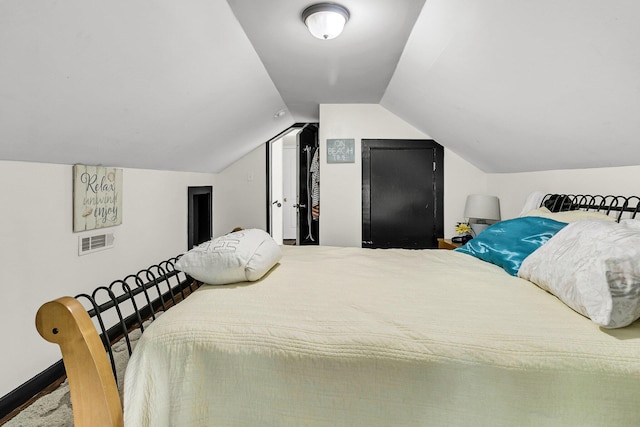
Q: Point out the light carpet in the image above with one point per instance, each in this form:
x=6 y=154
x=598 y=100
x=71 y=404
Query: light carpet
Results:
x=54 y=409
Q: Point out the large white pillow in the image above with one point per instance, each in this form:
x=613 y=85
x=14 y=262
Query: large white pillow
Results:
x=569 y=216
x=594 y=267
x=244 y=255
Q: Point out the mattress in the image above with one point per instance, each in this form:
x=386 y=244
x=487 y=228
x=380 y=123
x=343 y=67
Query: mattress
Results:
x=363 y=337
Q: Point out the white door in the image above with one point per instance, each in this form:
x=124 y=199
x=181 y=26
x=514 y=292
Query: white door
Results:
x=290 y=213
x=276 y=196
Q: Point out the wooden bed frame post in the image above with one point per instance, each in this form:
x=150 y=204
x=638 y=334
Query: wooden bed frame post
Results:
x=94 y=393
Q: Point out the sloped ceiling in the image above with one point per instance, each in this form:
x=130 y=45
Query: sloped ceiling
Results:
x=158 y=84
x=524 y=86
x=196 y=84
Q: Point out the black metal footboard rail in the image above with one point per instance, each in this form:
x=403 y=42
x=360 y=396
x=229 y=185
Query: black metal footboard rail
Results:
x=620 y=207
x=126 y=304
x=116 y=310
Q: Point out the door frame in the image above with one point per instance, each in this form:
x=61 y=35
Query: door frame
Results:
x=438 y=181
x=268 y=170
x=277 y=185
x=199 y=214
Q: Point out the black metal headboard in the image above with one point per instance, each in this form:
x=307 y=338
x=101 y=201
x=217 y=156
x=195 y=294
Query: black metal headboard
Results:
x=619 y=207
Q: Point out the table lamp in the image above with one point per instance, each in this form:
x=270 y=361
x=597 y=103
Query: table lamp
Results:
x=482 y=211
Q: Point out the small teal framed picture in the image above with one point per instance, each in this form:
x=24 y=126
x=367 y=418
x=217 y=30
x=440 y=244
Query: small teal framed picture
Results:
x=341 y=150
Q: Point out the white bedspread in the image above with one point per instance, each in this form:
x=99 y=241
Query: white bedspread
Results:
x=361 y=337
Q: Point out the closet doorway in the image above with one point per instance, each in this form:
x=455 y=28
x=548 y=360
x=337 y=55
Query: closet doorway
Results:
x=289 y=181
x=402 y=193
x=199 y=214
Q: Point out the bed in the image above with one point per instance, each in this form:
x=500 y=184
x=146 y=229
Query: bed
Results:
x=350 y=336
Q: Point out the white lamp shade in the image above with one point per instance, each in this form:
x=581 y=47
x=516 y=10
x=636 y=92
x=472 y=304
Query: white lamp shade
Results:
x=482 y=207
x=325 y=21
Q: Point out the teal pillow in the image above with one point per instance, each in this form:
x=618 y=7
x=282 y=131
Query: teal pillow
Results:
x=509 y=242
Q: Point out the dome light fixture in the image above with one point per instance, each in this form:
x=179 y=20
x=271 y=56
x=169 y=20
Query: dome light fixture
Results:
x=325 y=20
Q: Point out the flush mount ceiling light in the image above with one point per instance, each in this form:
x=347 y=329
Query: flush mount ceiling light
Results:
x=325 y=20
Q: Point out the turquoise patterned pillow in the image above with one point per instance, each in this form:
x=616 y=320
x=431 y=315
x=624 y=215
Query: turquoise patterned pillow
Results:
x=509 y=242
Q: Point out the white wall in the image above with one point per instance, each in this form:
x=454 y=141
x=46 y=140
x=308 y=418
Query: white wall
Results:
x=340 y=184
x=240 y=194
x=513 y=188
x=460 y=179
x=39 y=251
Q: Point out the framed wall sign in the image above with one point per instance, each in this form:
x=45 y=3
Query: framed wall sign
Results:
x=341 y=150
x=97 y=197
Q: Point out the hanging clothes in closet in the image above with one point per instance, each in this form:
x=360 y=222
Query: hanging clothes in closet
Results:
x=315 y=185
x=309 y=186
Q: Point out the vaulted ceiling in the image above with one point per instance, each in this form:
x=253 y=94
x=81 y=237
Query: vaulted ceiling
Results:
x=193 y=85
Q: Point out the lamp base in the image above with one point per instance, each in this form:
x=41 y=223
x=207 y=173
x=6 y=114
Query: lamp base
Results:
x=478 y=228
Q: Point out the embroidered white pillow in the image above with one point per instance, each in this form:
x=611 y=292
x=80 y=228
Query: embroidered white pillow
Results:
x=594 y=267
x=244 y=255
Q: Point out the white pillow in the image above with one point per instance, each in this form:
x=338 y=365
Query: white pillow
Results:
x=244 y=255
x=569 y=216
x=593 y=267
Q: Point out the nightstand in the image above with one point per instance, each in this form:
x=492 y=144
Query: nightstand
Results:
x=447 y=244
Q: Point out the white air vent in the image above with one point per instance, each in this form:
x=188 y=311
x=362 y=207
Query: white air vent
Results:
x=99 y=242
